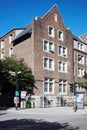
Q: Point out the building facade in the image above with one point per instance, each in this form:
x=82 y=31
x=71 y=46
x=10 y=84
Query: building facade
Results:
x=49 y=49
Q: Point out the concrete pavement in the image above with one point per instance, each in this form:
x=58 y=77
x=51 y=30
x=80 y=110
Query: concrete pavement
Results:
x=49 y=111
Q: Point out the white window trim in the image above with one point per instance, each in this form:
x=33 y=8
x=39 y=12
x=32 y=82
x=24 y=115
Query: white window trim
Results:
x=62 y=66
x=2 y=54
x=55 y=17
x=62 y=38
x=79 y=46
x=10 y=38
x=47 y=68
x=65 y=93
x=82 y=59
x=53 y=81
x=52 y=33
x=2 y=44
x=10 y=53
x=63 y=55
x=49 y=51
x=81 y=69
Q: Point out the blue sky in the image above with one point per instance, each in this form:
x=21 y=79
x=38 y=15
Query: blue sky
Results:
x=19 y=13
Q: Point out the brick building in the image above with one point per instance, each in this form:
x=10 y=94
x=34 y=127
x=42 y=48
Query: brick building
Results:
x=47 y=47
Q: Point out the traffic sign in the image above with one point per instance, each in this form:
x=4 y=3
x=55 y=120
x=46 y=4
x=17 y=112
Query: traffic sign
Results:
x=17 y=93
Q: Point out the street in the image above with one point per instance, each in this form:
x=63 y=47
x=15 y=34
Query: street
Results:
x=43 y=119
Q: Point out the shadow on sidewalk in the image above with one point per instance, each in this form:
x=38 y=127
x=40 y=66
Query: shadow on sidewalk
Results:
x=25 y=124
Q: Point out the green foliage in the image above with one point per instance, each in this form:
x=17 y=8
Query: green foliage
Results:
x=8 y=82
x=84 y=85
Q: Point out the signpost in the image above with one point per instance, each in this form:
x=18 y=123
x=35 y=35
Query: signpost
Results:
x=16 y=98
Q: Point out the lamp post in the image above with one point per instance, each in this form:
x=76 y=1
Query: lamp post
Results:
x=16 y=98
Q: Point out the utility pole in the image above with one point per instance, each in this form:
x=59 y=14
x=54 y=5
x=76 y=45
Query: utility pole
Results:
x=16 y=98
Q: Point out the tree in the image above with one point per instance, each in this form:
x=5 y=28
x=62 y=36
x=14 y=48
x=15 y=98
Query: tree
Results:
x=84 y=85
x=8 y=82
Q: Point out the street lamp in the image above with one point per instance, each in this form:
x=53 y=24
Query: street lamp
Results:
x=16 y=98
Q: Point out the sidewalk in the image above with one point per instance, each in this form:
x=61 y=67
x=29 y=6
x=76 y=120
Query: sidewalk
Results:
x=49 y=111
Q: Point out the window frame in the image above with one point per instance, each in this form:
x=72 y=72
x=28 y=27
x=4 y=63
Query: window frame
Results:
x=62 y=86
x=47 y=64
x=48 y=82
x=47 y=47
x=51 y=31
x=60 y=35
x=2 y=44
x=2 y=55
x=61 y=50
x=80 y=59
x=62 y=66
x=80 y=71
x=11 y=51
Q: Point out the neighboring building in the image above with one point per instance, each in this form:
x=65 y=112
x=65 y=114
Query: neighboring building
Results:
x=80 y=62
x=84 y=38
x=6 y=47
x=47 y=48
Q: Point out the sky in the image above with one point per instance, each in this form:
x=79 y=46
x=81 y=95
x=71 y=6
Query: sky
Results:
x=19 y=13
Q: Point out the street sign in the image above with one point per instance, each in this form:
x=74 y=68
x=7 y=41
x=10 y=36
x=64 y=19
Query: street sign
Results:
x=12 y=73
x=23 y=94
x=16 y=100
x=17 y=93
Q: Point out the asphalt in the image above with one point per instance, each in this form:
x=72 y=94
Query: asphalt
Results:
x=49 y=111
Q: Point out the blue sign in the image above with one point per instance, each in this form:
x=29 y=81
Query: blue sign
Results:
x=16 y=93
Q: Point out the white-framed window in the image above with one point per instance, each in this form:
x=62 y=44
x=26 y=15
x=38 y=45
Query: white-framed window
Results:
x=50 y=31
x=60 y=35
x=80 y=72
x=2 y=44
x=80 y=46
x=2 y=55
x=48 y=86
x=63 y=86
x=80 y=59
x=10 y=39
x=55 y=17
x=10 y=52
x=62 y=66
x=62 y=51
x=48 y=63
x=48 y=46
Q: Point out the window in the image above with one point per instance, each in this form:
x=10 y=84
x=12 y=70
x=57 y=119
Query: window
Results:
x=10 y=52
x=45 y=62
x=48 y=85
x=3 y=55
x=62 y=66
x=55 y=17
x=60 y=35
x=45 y=45
x=48 y=46
x=2 y=44
x=80 y=46
x=80 y=59
x=62 y=51
x=80 y=72
x=62 y=86
x=10 y=39
x=51 y=46
x=48 y=63
x=51 y=31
